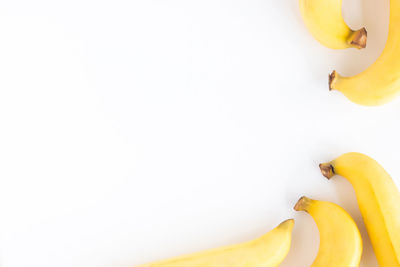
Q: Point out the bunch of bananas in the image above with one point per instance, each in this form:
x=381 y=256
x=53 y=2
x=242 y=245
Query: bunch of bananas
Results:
x=377 y=195
x=380 y=82
x=340 y=239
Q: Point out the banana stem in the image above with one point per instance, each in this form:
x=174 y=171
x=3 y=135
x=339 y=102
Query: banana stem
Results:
x=302 y=204
x=358 y=39
x=327 y=170
x=332 y=79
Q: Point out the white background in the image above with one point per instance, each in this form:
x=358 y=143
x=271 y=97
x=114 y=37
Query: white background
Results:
x=132 y=131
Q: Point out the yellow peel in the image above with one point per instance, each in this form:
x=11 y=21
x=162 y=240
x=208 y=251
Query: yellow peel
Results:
x=379 y=202
x=267 y=251
x=340 y=239
x=379 y=83
x=325 y=22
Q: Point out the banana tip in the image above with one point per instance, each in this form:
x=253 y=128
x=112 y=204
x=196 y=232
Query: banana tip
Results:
x=302 y=204
x=288 y=223
x=327 y=170
x=332 y=79
x=359 y=39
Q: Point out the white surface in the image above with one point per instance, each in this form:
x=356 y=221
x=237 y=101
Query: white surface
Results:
x=132 y=131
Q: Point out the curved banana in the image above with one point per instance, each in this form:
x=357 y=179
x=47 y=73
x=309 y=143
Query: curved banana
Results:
x=340 y=240
x=380 y=83
x=324 y=20
x=268 y=250
x=378 y=199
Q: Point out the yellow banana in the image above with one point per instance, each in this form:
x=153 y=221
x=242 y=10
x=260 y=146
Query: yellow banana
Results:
x=378 y=199
x=267 y=251
x=340 y=240
x=324 y=20
x=379 y=83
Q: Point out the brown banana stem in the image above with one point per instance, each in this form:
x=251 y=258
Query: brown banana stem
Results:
x=358 y=39
x=327 y=170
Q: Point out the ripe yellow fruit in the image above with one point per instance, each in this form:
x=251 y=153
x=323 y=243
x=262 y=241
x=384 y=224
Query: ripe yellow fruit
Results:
x=340 y=240
x=267 y=251
x=380 y=83
x=325 y=22
x=378 y=199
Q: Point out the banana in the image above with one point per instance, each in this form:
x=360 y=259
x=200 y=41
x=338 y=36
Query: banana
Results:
x=324 y=20
x=268 y=250
x=378 y=199
x=379 y=83
x=340 y=240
